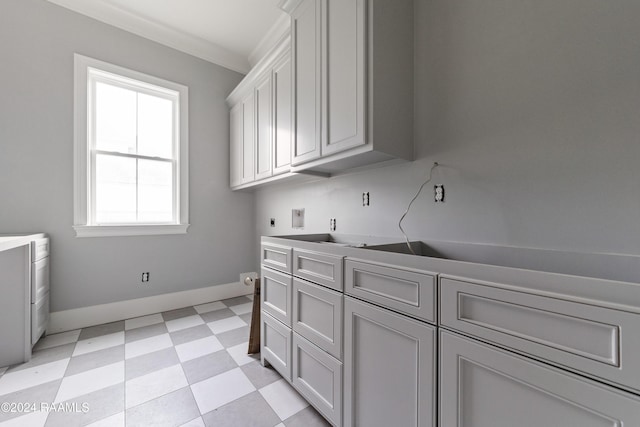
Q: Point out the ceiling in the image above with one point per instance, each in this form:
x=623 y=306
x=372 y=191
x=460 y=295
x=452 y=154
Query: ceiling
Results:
x=232 y=33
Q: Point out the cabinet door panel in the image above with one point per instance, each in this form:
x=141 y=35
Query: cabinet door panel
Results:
x=275 y=295
x=248 y=139
x=319 y=268
x=389 y=364
x=345 y=75
x=277 y=257
x=264 y=128
x=39 y=279
x=276 y=345
x=283 y=119
x=306 y=27
x=236 y=147
x=482 y=386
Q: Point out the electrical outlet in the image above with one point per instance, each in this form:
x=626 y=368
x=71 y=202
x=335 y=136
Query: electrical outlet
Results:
x=365 y=199
x=332 y=224
x=272 y=222
x=438 y=193
x=145 y=277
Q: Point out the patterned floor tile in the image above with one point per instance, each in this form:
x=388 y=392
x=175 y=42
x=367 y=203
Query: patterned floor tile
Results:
x=284 y=400
x=172 y=409
x=242 y=308
x=96 y=359
x=33 y=395
x=246 y=317
x=184 y=323
x=45 y=356
x=236 y=301
x=208 y=366
x=227 y=324
x=234 y=337
x=194 y=349
x=147 y=345
x=90 y=381
x=27 y=378
x=116 y=420
x=190 y=334
x=147 y=363
x=260 y=376
x=143 y=332
x=250 y=410
x=140 y=322
x=148 y=387
x=308 y=417
x=239 y=354
x=212 y=306
x=33 y=419
x=194 y=423
x=97 y=331
x=217 y=391
x=176 y=314
x=90 y=407
x=212 y=316
x=99 y=343
x=57 y=339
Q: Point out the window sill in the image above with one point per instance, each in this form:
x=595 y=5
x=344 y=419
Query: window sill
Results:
x=129 y=230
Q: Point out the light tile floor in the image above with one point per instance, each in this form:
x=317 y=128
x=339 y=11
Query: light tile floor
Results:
x=186 y=367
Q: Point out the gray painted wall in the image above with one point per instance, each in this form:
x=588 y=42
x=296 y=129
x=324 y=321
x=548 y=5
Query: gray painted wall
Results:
x=37 y=43
x=533 y=109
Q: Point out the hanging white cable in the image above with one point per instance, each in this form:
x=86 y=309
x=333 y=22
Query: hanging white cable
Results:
x=406 y=238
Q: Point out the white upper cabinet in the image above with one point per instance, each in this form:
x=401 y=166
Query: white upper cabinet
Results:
x=353 y=82
x=261 y=120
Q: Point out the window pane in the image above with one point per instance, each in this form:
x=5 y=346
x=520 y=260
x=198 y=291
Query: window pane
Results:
x=155 y=126
x=115 y=189
x=155 y=191
x=115 y=118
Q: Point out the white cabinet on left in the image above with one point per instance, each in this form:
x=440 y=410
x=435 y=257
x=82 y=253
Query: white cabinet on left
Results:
x=260 y=120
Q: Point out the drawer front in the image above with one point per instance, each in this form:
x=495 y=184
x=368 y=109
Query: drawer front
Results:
x=318 y=377
x=317 y=316
x=39 y=249
x=39 y=318
x=319 y=268
x=486 y=387
x=276 y=257
x=408 y=291
x=275 y=295
x=39 y=279
x=577 y=336
x=276 y=345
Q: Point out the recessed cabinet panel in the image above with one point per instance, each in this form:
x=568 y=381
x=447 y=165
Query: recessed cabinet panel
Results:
x=306 y=28
x=283 y=115
x=236 y=145
x=482 y=386
x=345 y=75
x=264 y=128
x=578 y=336
x=409 y=291
x=39 y=318
x=277 y=257
x=39 y=279
x=276 y=345
x=318 y=377
x=319 y=268
x=275 y=294
x=317 y=316
x=248 y=139
x=389 y=368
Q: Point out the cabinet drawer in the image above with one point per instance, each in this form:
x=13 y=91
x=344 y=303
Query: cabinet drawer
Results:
x=39 y=318
x=487 y=387
x=581 y=337
x=276 y=345
x=276 y=257
x=408 y=291
x=275 y=294
x=319 y=268
x=318 y=377
x=39 y=279
x=39 y=249
x=317 y=316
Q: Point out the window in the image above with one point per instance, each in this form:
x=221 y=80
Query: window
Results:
x=131 y=165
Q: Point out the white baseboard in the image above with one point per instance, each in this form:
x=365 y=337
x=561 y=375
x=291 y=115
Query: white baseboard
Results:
x=77 y=318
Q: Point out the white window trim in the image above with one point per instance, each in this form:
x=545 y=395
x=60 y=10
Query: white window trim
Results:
x=81 y=178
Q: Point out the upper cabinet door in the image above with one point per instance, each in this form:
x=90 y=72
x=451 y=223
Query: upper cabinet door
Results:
x=248 y=139
x=344 y=78
x=307 y=42
x=264 y=129
x=236 y=145
x=283 y=115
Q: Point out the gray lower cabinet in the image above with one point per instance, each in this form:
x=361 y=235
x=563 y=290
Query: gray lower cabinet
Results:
x=482 y=386
x=276 y=345
x=275 y=295
x=389 y=369
x=318 y=377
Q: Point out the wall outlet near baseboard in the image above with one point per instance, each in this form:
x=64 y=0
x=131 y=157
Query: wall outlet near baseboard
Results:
x=145 y=277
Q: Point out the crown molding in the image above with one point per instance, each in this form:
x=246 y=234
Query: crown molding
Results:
x=276 y=33
x=156 y=32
